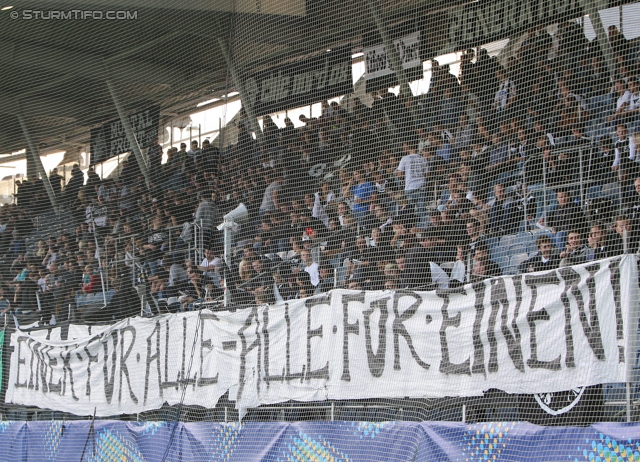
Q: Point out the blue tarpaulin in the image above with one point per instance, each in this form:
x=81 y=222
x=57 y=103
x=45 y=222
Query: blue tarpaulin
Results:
x=314 y=441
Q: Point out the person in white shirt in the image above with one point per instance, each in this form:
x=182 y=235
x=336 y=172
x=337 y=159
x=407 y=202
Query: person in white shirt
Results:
x=505 y=97
x=322 y=199
x=625 y=147
x=209 y=267
x=622 y=104
x=414 y=168
x=634 y=99
x=270 y=196
x=310 y=267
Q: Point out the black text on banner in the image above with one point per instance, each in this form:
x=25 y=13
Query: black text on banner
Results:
x=533 y=333
x=304 y=82
x=110 y=139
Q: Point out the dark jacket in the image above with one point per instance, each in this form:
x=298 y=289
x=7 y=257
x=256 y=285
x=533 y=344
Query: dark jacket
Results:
x=75 y=183
x=535 y=263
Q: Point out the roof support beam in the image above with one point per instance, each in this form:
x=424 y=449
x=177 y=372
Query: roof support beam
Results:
x=33 y=150
x=133 y=142
x=246 y=102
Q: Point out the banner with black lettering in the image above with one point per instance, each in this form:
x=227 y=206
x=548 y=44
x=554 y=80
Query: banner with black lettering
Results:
x=532 y=333
x=300 y=83
x=110 y=139
x=478 y=23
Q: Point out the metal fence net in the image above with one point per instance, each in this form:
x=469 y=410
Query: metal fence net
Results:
x=320 y=230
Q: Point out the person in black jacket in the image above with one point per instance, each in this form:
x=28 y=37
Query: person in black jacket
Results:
x=501 y=213
x=565 y=216
x=615 y=240
x=24 y=299
x=76 y=182
x=545 y=259
x=600 y=162
x=575 y=252
x=597 y=243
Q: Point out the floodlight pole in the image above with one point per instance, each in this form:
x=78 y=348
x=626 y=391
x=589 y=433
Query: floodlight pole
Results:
x=131 y=137
x=36 y=159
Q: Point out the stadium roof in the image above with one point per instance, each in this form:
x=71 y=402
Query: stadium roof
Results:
x=164 y=53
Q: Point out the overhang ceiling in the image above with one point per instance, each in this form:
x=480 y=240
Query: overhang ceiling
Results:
x=54 y=71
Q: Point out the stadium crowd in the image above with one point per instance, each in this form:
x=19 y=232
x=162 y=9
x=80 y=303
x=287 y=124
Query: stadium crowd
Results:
x=367 y=198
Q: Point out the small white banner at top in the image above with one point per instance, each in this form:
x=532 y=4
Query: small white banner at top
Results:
x=378 y=63
x=533 y=333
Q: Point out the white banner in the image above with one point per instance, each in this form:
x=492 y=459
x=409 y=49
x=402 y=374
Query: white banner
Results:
x=378 y=63
x=533 y=333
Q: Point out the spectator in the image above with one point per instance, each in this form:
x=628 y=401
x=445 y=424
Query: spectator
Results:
x=90 y=280
x=24 y=299
x=178 y=278
x=475 y=237
x=93 y=183
x=323 y=199
x=463 y=133
x=497 y=166
x=505 y=97
x=56 y=182
x=600 y=165
x=361 y=191
x=575 y=252
x=623 y=230
x=546 y=258
x=625 y=152
x=17 y=246
x=210 y=268
x=501 y=220
x=152 y=250
x=327 y=280
x=413 y=168
x=622 y=103
x=310 y=267
x=597 y=243
x=73 y=186
x=207 y=217
x=417 y=268
x=195 y=289
x=565 y=216
x=194 y=153
x=270 y=197
x=303 y=285
x=634 y=100
x=486 y=267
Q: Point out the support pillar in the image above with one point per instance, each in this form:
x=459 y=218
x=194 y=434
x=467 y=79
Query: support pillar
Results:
x=246 y=101
x=32 y=170
x=35 y=159
x=131 y=137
